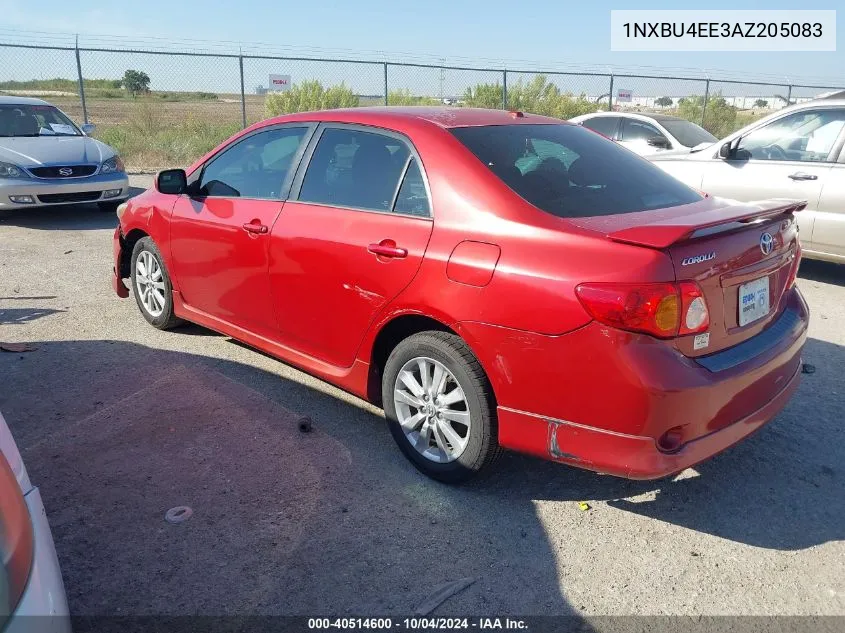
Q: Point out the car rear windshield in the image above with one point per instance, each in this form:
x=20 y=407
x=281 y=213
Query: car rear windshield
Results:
x=572 y=172
x=688 y=134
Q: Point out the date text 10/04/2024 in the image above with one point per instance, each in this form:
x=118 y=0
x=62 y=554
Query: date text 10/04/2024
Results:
x=417 y=623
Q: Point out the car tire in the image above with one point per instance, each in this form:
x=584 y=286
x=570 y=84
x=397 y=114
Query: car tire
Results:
x=153 y=293
x=108 y=207
x=474 y=445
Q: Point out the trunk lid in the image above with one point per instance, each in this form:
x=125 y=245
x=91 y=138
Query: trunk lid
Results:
x=742 y=255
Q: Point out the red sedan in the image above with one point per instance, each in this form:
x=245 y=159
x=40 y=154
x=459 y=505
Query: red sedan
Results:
x=491 y=279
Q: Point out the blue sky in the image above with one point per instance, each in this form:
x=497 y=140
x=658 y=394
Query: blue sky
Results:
x=531 y=30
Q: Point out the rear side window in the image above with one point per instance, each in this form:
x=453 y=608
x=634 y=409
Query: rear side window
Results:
x=605 y=125
x=355 y=169
x=412 y=198
x=571 y=172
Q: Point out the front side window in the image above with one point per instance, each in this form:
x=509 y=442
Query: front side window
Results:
x=35 y=120
x=806 y=136
x=255 y=167
x=355 y=169
x=633 y=130
x=577 y=173
x=605 y=125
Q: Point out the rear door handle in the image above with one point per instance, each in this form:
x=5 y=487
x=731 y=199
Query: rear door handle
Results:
x=387 y=248
x=800 y=175
x=255 y=227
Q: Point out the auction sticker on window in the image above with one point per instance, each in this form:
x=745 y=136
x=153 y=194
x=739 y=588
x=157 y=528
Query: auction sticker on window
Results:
x=722 y=30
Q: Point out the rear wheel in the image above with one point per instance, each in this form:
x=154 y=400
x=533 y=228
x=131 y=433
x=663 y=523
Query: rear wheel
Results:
x=440 y=407
x=151 y=285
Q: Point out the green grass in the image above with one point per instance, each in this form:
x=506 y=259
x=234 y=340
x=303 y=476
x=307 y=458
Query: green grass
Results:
x=146 y=142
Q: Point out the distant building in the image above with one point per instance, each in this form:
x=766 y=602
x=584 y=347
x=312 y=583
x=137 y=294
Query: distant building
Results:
x=261 y=90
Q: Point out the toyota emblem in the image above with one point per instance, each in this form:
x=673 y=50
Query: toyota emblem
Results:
x=65 y=171
x=767 y=243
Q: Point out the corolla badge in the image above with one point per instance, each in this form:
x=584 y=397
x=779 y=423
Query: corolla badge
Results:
x=697 y=259
x=767 y=243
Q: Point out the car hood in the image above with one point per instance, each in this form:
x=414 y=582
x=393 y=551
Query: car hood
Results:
x=33 y=151
x=686 y=153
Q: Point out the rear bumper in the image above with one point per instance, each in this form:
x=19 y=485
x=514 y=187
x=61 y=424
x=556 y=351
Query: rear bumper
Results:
x=43 y=606
x=60 y=191
x=600 y=398
x=629 y=455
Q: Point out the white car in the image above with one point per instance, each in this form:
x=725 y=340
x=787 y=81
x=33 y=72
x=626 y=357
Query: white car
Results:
x=647 y=134
x=30 y=578
x=797 y=152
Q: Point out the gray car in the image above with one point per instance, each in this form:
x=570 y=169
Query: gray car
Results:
x=45 y=159
x=796 y=152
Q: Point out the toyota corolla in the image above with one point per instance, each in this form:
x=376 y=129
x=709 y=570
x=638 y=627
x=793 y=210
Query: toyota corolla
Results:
x=494 y=280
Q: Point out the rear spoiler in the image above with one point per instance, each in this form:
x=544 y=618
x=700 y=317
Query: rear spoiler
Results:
x=666 y=232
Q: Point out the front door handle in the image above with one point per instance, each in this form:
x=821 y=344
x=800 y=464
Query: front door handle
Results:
x=255 y=227
x=800 y=175
x=387 y=248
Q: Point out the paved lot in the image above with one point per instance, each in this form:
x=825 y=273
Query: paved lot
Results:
x=119 y=422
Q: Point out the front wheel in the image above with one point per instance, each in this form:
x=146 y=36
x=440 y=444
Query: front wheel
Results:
x=440 y=407
x=151 y=285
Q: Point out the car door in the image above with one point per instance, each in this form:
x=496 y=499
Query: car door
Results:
x=350 y=238
x=829 y=227
x=788 y=157
x=638 y=135
x=219 y=235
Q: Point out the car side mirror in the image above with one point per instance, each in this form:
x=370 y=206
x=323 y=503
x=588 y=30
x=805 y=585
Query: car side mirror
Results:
x=87 y=128
x=659 y=141
x=725 y=151
x=172 y=181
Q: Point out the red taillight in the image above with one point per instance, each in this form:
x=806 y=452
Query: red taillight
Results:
x=793 y=273
x=664 y=310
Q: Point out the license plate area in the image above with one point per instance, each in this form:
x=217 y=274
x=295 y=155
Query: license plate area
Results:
x=753 y=300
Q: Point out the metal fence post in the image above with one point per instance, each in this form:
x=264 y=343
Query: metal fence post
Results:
x=789 y=95
x=610 y=96
x=706 y=97
x=386 y=93
x=81 y=83
x=504 y=90
x=243 y=92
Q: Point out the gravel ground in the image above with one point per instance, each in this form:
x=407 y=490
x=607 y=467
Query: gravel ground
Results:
x=119 y=422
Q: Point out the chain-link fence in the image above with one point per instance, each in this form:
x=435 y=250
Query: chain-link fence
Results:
x=164 y=108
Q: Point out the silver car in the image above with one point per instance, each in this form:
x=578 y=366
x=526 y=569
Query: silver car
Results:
x=796 y=152
x=46 y=159
x=645 y=133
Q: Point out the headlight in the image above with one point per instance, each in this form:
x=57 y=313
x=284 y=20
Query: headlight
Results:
x=112 y=165
x=7 y=170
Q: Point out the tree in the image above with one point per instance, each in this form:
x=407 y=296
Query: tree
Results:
x=538 y=96
x=663 y=101
x=761 y=103
x=136 y=81
x=310 y=95
x=719 y=116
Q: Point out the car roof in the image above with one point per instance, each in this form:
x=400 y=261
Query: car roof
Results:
x=13 y=100
x=654 y=116
x=442 y=116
